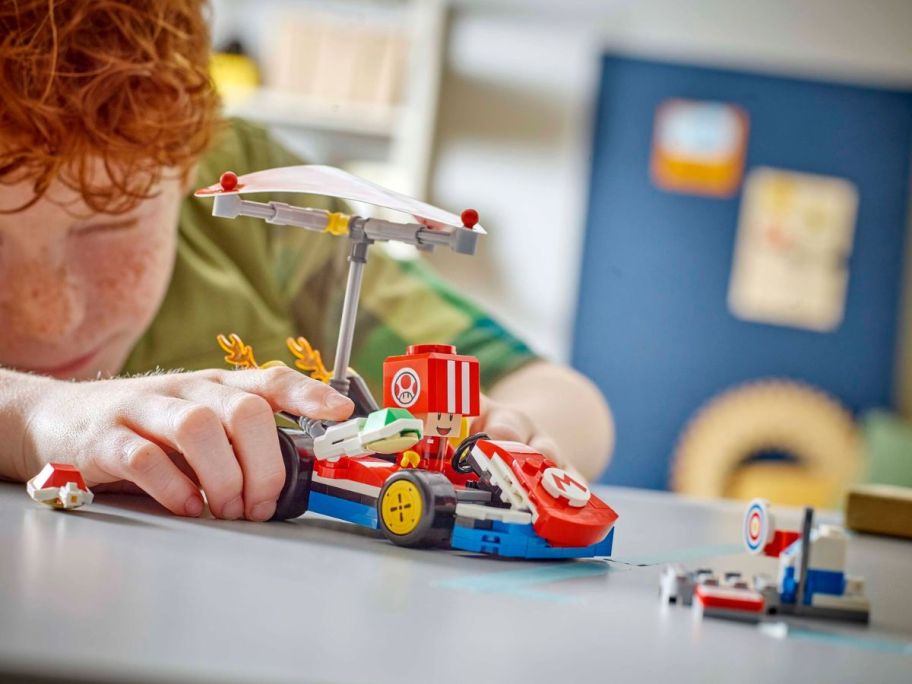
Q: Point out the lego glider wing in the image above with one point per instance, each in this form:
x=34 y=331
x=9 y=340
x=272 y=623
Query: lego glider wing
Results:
x=332 y=182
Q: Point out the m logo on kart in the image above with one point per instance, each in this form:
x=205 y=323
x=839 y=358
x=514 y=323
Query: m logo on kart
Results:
x=560 y=484
x=406 y=387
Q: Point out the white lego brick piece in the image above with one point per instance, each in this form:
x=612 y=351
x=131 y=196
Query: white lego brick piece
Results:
x=348 y=485
x=854 y=585
x=828 y=549
x=502 y=476
x=857 y=603
x=340 y=440
x=479 y=512
x=562 y=485
x=71 y=496
x=41 y=495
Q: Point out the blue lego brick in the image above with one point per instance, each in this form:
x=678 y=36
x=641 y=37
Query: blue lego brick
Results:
x=818 y=582
x=824 y=582
x=351 y=511
x=520 y=541
x=788 y=587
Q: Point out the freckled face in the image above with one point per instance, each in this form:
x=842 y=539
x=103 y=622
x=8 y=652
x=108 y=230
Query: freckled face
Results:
x=77 y=289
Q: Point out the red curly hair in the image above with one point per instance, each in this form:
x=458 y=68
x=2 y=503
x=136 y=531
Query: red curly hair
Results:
x=125 y=82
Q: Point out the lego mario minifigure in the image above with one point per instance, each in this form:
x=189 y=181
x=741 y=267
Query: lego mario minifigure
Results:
x=439 y=387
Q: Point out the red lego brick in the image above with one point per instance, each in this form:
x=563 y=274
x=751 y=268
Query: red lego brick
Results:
x=432 y=378
x=57 y=475
x=714 y=596
x=782 y=539
x=562 y=520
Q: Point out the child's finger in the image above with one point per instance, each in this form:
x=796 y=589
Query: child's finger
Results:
x=146 y=465
x=547 y=447
x=507 y=424
x=195 y=430
x=249 y=421
x=288 y=390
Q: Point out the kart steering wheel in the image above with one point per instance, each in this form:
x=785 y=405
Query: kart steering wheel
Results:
x=459 y=461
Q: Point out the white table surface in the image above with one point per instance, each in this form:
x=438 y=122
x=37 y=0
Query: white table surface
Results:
x=121 y=590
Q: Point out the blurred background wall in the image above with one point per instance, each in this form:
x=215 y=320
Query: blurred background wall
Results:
x=492 y=104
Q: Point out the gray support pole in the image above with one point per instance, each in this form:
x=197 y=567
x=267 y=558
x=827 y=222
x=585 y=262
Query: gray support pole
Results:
x=805 y=555
x=356 y=259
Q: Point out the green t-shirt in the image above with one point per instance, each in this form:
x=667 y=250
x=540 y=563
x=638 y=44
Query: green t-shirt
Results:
x=267 y=283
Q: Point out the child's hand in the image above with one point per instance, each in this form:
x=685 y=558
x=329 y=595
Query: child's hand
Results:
x=501 y=421
x=166 y=433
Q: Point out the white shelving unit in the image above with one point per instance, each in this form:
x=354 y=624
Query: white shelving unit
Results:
x=390 y=143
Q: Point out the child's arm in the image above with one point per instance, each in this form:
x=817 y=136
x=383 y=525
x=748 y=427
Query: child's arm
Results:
x=220 y=422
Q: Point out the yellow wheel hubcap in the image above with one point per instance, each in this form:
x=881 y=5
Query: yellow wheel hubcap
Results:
x=401 y=507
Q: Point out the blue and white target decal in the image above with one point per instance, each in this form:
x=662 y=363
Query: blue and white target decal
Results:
x=758 y=526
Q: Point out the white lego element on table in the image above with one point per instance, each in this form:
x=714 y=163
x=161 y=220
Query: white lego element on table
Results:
x=41 y=495
x=673 y=583
x=561 y=484
x=68 y=495
x=502 y=476
x=348 y=485
x=859 y=603
x=854 y=585
x=480 y=512
x=71 y=496
x=828 y=548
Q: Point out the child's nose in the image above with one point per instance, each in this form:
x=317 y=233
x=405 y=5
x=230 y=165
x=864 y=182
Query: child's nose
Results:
x=43 y=301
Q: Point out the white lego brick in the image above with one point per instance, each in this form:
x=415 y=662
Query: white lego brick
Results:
x=349 y=485
x=480 y=512
x=42 y=495
x=512 y=492
x=562 y=485
x=340 y=440
x=828 y=549
x=854 y=585
x=858 y=603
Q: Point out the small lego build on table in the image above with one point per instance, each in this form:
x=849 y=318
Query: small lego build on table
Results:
x=59 y=485
x=409 y=468
x=811 y=581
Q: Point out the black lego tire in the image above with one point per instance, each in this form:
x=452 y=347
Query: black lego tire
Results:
x=434 y=526
x=295 y=494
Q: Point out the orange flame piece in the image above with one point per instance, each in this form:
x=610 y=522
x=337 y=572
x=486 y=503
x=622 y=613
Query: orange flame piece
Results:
x=237 y=353
x=309 y=359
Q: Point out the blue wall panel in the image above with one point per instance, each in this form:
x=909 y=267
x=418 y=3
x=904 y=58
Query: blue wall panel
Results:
x=653 y=326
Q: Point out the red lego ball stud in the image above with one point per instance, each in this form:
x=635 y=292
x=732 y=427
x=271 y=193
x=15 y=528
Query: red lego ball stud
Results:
x=228 y=181
x=469 y=218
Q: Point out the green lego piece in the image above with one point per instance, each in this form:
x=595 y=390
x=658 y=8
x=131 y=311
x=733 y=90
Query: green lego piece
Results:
x=378 y=419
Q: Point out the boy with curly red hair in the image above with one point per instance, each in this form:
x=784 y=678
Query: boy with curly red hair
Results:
x=109 y=270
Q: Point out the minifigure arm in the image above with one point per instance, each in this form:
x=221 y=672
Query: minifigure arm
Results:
x=554 y=408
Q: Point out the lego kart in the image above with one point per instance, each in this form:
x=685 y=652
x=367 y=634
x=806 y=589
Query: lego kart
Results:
x=486 y=496
x=515 y=502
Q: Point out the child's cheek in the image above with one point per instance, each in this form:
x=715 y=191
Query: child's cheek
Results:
x=126 y=277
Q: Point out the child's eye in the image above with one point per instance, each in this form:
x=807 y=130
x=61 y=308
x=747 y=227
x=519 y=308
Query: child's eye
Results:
x=106 y=226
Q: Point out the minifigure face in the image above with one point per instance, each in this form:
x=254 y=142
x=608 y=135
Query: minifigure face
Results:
x=442 y=424
x=79 y=289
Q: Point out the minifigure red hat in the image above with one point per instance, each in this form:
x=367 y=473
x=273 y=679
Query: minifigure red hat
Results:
x=432 y=378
